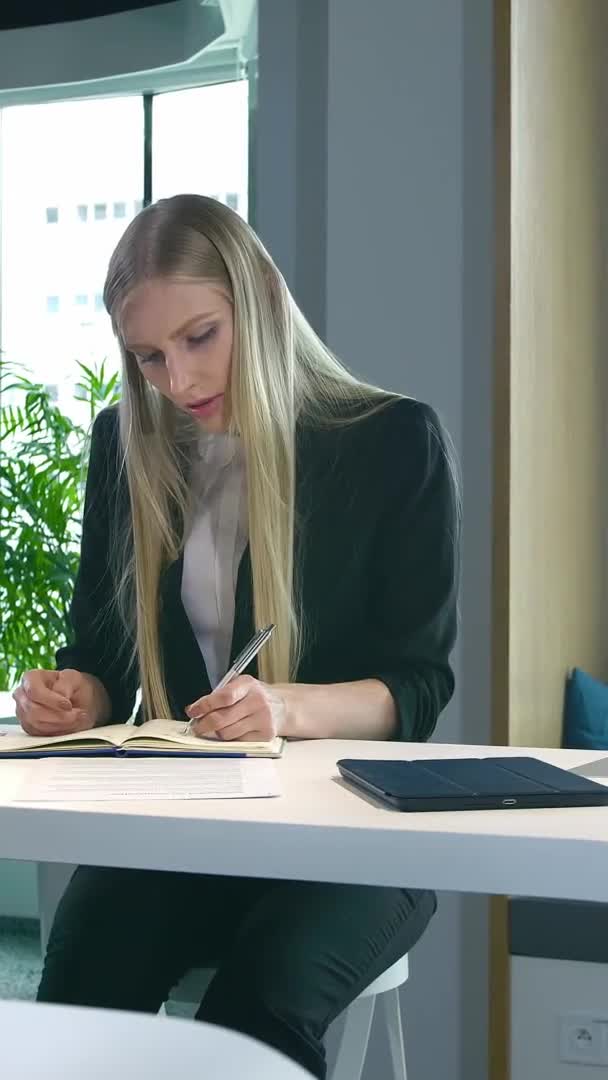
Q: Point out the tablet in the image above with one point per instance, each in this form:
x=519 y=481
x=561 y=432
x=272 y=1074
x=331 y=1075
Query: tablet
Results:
x=471 y=784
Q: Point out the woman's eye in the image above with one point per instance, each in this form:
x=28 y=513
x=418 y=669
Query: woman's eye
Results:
x=200 y=339
x=152 y=358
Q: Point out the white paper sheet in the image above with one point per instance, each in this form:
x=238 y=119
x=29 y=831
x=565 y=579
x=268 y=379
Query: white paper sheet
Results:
x=143 y=779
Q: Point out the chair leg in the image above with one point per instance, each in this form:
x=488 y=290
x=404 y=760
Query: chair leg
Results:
x=391 y=1012
x=352 y=1049
x=53 y=879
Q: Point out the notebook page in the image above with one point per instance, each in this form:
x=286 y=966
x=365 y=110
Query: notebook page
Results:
x=176 y=731
x=112 y=734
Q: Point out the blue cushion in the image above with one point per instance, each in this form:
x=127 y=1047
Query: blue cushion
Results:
x=585 y=713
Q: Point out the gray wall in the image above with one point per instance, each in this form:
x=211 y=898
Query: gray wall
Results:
x=404 y=253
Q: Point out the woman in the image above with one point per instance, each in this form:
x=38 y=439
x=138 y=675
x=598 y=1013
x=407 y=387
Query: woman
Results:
x=246 y=478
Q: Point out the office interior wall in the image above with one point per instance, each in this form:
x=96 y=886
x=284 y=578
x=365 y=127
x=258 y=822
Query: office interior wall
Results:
x=543 y=992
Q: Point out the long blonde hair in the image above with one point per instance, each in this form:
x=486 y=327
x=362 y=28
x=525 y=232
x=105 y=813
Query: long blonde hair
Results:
x=281 y=372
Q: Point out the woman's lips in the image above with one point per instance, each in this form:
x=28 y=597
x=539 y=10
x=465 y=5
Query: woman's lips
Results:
x=207 y=406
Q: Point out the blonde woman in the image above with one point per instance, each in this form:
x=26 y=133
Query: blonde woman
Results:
x=246 y=478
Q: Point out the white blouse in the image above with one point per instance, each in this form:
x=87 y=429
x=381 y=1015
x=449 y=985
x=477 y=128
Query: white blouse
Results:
x=214 y=548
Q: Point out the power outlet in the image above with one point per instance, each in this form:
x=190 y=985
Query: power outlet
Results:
x=583 y=1039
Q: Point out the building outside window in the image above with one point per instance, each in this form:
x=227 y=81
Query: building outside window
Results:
x=52 y=305
x=120 y=209
x=83 y=212
x=52 y=215
x=100 y=211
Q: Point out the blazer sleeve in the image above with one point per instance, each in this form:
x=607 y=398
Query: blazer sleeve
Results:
x=415 y=573
x=99 y=642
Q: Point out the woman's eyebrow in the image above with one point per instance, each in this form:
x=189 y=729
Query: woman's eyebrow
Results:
x=203 y=316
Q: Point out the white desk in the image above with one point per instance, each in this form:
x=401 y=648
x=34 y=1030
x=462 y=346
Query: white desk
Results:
x=319 y=830
x=63 y=1042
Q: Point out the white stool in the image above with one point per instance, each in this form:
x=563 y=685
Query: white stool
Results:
x=184 y=1001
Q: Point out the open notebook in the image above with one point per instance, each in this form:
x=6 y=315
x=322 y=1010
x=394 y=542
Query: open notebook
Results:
x=154 y=738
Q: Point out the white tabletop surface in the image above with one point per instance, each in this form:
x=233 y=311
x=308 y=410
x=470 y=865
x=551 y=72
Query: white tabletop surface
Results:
x=320 y=830
x=63 y=1042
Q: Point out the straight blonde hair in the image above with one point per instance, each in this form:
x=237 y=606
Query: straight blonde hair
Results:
x=281 y=372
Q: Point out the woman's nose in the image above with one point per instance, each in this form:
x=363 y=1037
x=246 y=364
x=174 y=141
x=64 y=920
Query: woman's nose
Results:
x=181 y=377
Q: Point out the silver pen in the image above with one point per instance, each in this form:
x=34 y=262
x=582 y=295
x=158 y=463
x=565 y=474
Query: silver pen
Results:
x=242 y=661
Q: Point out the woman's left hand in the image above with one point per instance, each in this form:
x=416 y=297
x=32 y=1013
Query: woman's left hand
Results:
x=246 y=709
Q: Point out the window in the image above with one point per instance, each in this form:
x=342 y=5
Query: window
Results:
x=90 y=147
x=213 y=112
x=93 y=147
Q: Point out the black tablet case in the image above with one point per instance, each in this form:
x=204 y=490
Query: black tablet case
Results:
x=471 y=783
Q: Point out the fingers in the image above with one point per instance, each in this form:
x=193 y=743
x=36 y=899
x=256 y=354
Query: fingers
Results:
x=39 y=720
x=37 y=686
x=214 y=722
x=246 y=730
x=69 y=683
x=29 y=713
x=222 y=699
x=43 y=707
x=47 y=726
x=241 y=710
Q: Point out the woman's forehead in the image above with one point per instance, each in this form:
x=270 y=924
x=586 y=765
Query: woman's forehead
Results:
x=159 y=306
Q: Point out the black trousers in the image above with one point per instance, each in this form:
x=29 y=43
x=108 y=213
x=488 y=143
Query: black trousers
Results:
x=290 y=956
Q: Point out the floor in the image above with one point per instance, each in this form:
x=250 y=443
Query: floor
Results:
x=20 y=958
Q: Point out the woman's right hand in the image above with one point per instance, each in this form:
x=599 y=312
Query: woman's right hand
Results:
x=60 y=702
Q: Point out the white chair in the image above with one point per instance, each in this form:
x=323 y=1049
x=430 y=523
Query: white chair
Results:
x=187 y=995
x=65 y=1042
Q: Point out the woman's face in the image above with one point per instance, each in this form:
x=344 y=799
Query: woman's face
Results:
x=180 y=333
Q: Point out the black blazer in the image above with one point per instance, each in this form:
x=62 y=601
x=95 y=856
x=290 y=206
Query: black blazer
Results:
x=377 y=542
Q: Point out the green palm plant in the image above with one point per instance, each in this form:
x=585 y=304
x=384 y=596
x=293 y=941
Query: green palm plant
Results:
x=43 y=456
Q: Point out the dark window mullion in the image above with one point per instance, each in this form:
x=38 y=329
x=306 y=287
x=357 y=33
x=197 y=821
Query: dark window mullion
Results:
x=147 y=100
